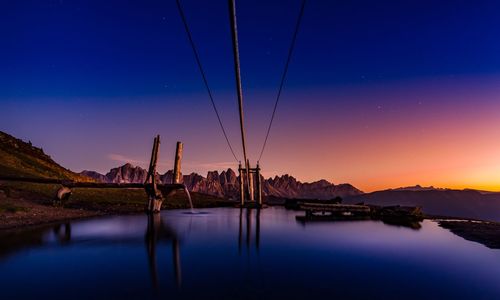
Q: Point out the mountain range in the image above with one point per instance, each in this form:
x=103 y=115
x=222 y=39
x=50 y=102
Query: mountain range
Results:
x=22 y=159
x=226 y=183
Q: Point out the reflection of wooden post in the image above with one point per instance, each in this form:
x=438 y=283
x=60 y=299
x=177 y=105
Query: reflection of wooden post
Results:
x=250 y=184
x=257 y=230
x=240 y=233
x=259 y=185
x=242 y=186
x=249 y=227
x=177 y=163
x=151 y=238
x=177 y=262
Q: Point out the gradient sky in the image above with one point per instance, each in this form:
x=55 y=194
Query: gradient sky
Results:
x=380 y=94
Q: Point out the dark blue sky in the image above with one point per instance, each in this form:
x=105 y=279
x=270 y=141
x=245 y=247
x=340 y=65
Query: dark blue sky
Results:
x=100 y=48
x=93 y=81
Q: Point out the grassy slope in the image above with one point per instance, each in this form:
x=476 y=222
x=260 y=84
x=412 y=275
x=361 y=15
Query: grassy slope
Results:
x=18 y=158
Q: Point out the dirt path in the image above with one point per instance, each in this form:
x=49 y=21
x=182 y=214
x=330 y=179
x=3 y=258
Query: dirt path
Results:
x=16 y=213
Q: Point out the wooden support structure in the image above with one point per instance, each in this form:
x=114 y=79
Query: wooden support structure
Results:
x=254 y=186
x=177 y=164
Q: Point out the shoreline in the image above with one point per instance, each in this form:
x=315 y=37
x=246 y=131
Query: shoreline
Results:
x=21 y=211
x=26 y=207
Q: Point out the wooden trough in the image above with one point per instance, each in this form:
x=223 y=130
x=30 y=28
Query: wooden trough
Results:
x=334 y=210
x=392 y=214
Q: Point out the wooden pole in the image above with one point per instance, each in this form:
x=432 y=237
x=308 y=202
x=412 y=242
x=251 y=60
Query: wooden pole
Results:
x=155 y=197
x=239 y=89
x=259 y=185
x=251 y=191
x=177 y=163
x=242 y=186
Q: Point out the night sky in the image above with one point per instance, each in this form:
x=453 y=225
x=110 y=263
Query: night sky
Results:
x=379 y=93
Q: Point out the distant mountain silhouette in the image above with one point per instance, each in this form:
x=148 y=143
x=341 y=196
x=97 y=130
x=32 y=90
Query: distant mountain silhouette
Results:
x=417 y=188
x=442 y=202
x=226 y=184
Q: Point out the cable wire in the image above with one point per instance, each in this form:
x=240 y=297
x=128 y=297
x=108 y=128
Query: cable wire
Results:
x=200 y=67
x=283 y=77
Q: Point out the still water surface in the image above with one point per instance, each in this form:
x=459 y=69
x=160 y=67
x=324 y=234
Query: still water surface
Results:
x=226 y=253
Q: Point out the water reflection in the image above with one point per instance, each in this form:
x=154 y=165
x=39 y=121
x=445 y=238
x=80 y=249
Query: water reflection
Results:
x=397 y=222
x=248 y=226
x=14 y=241
x=159 y=231
x=63 y=233
x=130 y=257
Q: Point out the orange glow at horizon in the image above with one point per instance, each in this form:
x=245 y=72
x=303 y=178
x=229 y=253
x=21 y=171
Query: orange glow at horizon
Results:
x=442 y=134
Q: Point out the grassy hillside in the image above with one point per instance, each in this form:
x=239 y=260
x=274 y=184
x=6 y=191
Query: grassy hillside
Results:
x=18 y=158
x=21 y=159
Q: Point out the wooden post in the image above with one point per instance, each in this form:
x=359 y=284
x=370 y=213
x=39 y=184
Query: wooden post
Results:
x=177 y=163
x=259 y=185
x=250 y=184
x=242 y=186
x=155 y=197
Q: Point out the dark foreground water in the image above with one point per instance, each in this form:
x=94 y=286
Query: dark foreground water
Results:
x=231 y=254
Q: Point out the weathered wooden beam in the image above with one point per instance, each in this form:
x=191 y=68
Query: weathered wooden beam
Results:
x=155 y=197
x=153 y=160
x=177 y=163
x=97 y=185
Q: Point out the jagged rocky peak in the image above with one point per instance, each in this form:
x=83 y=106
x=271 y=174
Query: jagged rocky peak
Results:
x=213 y=176
x=228 y=177
x=127 y=173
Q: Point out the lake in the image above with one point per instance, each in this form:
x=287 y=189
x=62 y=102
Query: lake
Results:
x=228 y=253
